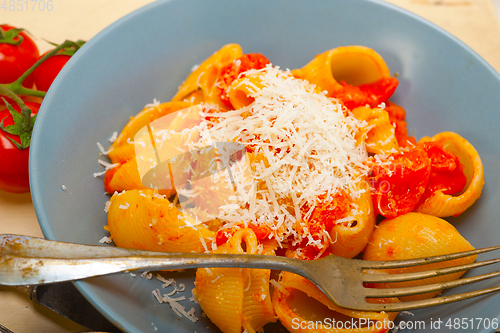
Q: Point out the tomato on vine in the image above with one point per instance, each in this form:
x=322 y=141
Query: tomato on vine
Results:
x=15 y=137
x=48 y=70
x=18 y=53
x=16 y=122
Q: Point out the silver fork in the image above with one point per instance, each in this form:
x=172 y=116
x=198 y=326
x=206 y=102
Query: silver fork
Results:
x=27 y=260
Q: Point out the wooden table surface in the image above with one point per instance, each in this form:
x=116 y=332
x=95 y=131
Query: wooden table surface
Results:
x=472 y=21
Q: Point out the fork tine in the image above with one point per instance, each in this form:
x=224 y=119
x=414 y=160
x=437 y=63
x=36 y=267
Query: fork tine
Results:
x=413 y=305
x=383 y=278
x=397 y=292
x=422 y=261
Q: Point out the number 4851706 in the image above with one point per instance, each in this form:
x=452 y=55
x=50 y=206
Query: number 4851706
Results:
x=26 y=5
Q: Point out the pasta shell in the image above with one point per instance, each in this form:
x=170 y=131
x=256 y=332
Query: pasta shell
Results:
x=140 y=219
x=442 y=205
x=416 y=235
x=355 y=65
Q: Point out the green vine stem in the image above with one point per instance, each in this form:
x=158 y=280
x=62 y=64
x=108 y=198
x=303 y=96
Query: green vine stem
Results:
x=16 y=86
x=9 y=36
x=25 y=111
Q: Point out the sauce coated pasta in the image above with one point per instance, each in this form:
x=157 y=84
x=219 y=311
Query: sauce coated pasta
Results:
x=250 y=158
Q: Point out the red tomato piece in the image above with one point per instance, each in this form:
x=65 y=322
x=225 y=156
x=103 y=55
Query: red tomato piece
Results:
x=399 y=186
x=372 y=94
x=46 y=73
x=447 y=173
x=350 y=96
x=233 y=70
x=306 y=252
x=261 y=231
x=326 y=213
x=17 y=59
x=223 y=235
x=380 y=91
x=14 y=161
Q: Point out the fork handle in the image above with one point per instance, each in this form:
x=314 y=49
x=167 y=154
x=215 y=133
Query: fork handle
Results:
x=16 y=271
x=27 y=246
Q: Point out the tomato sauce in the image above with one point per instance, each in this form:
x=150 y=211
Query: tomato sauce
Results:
x=447 y=173
x=327 y=213
x=413 y=176
x=398 y=187
x=373 y=94
x=223 y=235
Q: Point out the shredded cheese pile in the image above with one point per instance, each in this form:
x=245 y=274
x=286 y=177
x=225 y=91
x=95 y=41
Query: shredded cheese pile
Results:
x=302 y=145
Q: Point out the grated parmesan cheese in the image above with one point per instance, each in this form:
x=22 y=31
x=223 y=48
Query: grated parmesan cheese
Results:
x=101 y=148
x=278 y=286
x=124 y=206
x=408 y=313
x=113 y=137
x=98 y=174
x=106 y=240
x=106 y=207
x=304 y=145
x=154 y=104
x=178 y=308
x=106 y=165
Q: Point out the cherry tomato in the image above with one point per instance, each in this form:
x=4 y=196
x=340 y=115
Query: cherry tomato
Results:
x=447 y=173
x=350 y=96
x=372 y=94
x=14 y=161
x=399 y=186
x=16 y=59
x=379 y=91
x=48 y=70
x=240 y=65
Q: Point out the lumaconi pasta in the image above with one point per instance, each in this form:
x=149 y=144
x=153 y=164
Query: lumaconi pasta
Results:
x=236 y=298
x=441 y=204
x=381 y=133
x=290 y=285
x=141 y=219
x=416 y=235
x=324 y=152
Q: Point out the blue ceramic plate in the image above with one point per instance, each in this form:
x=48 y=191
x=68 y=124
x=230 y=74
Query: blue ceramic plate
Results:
x=444 y=86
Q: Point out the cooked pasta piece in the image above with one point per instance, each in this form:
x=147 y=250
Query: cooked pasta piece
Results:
x=122 y=153
x=141 y=219
x=380 y=133
x=142 y=119
x=417 y=235
x=309 y=320
x=137 y=154
x=241 y=89
x=397 y=116
x=233 y=297
x=257 y=303
x=204 y=78
x=123 y=177
x=439 y=204
x=350 y=238
x=356 y=65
